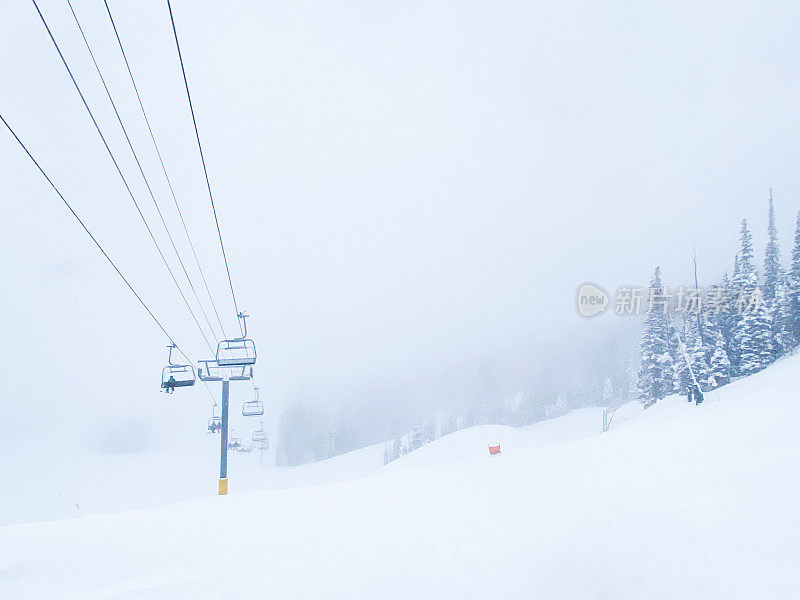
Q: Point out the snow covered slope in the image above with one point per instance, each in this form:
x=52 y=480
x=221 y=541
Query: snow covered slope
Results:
x=678 y=501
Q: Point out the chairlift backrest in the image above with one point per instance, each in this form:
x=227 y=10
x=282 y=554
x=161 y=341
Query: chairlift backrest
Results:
x=252 y=408
x=236 y=352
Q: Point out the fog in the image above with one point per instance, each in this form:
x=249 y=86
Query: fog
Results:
x=409 y=193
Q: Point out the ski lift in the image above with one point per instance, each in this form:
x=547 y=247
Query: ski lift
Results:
x=174 y=376
x=234 y=443
x=215 y=422
x=259 y=435
x=235 y=353
x=253 y=408
x=239 y=351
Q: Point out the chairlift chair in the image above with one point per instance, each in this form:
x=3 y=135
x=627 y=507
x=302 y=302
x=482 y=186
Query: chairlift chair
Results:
x=237 y=352
x=175 y=376
x=215 y=422
x=259 y=435
x=182 y=375
x=253 y=408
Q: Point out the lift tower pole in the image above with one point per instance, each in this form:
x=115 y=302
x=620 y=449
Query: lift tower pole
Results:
x=223 y=450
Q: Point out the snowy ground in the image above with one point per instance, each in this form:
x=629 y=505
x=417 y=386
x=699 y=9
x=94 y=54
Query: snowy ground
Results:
x=674 y=502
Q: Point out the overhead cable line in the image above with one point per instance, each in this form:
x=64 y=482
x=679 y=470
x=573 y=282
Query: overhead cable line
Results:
x=164 y=169
x=119 y=171
x=89 y=233
x=141 y=170
x=203 y=160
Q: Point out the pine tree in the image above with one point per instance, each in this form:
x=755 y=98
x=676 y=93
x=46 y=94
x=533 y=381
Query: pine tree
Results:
x=720 y=315
x=729 y=316
x=773 y=274
x=753 y=337
x=655 y=379
x=774 y=290
x=680 y=368
x=719 y=366
x=736 y=268
x=696 y=351
x=783 y=335
x=744 y=266
x=793 y=283
x=751 y=347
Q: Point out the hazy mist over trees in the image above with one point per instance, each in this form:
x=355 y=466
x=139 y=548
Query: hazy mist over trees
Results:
x=587 y=367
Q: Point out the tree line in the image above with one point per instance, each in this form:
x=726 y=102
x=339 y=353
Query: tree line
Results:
x=739 y=326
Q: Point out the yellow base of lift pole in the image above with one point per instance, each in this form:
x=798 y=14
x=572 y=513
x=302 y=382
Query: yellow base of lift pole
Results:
x=223 y=486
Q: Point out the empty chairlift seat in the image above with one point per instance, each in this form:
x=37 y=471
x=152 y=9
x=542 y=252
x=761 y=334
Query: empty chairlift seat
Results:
x=253 y=408
x=259 y=435
x=236 y=353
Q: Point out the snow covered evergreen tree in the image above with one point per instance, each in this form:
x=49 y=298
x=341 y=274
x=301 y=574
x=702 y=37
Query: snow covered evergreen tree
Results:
x=737 y=265
x=793 y=283
x=783 y=336
x=774 y=291
x=751 y=347
x=656 y=371
x=753 y=337
x=728 y=316
x=744 y=267
x=716 y=317
x=719 y=371
x=680 y=368
x=696 y=351
x=773 y=273
x=719 y=313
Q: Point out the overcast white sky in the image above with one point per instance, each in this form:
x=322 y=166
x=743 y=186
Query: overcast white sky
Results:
x=402 y=186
